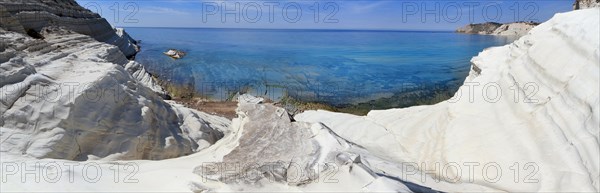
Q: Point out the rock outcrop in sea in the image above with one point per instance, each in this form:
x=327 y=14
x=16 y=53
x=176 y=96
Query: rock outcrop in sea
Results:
x=175 y=54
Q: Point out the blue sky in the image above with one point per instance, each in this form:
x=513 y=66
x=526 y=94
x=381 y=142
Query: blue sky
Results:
x=319 y=14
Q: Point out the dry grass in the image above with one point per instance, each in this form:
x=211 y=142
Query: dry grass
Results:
x=220 y=108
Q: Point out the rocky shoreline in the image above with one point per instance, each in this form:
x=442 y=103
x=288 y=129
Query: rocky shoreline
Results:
x=428 y=95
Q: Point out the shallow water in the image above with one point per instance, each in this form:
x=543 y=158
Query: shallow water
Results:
x=336 y=67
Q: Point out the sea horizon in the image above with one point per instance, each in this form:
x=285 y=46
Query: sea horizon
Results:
x=305 y=29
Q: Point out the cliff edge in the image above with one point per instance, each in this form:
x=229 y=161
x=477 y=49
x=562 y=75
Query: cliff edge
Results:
x=517 y=29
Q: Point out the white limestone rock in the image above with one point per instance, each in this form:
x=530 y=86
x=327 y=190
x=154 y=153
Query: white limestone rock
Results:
x=584 y=4
x=139 y=73
x=32 y=15
x=65 y=94
x=270 y=148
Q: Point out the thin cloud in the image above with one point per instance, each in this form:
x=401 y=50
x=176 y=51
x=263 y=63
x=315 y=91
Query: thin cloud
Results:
x=162 y=10
x=362 y=7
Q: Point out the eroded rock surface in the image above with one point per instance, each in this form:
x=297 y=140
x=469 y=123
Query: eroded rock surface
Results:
x=30 y=16
x=271 y=148
x=584 y=4
x=67 y=86
x=271 y=142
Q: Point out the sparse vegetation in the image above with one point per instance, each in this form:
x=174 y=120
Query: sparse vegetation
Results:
x=427 y=95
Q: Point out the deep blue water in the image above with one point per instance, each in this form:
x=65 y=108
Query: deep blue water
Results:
x=317 y=65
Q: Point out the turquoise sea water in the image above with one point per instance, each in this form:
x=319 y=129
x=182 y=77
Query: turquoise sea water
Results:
x=332 y=66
